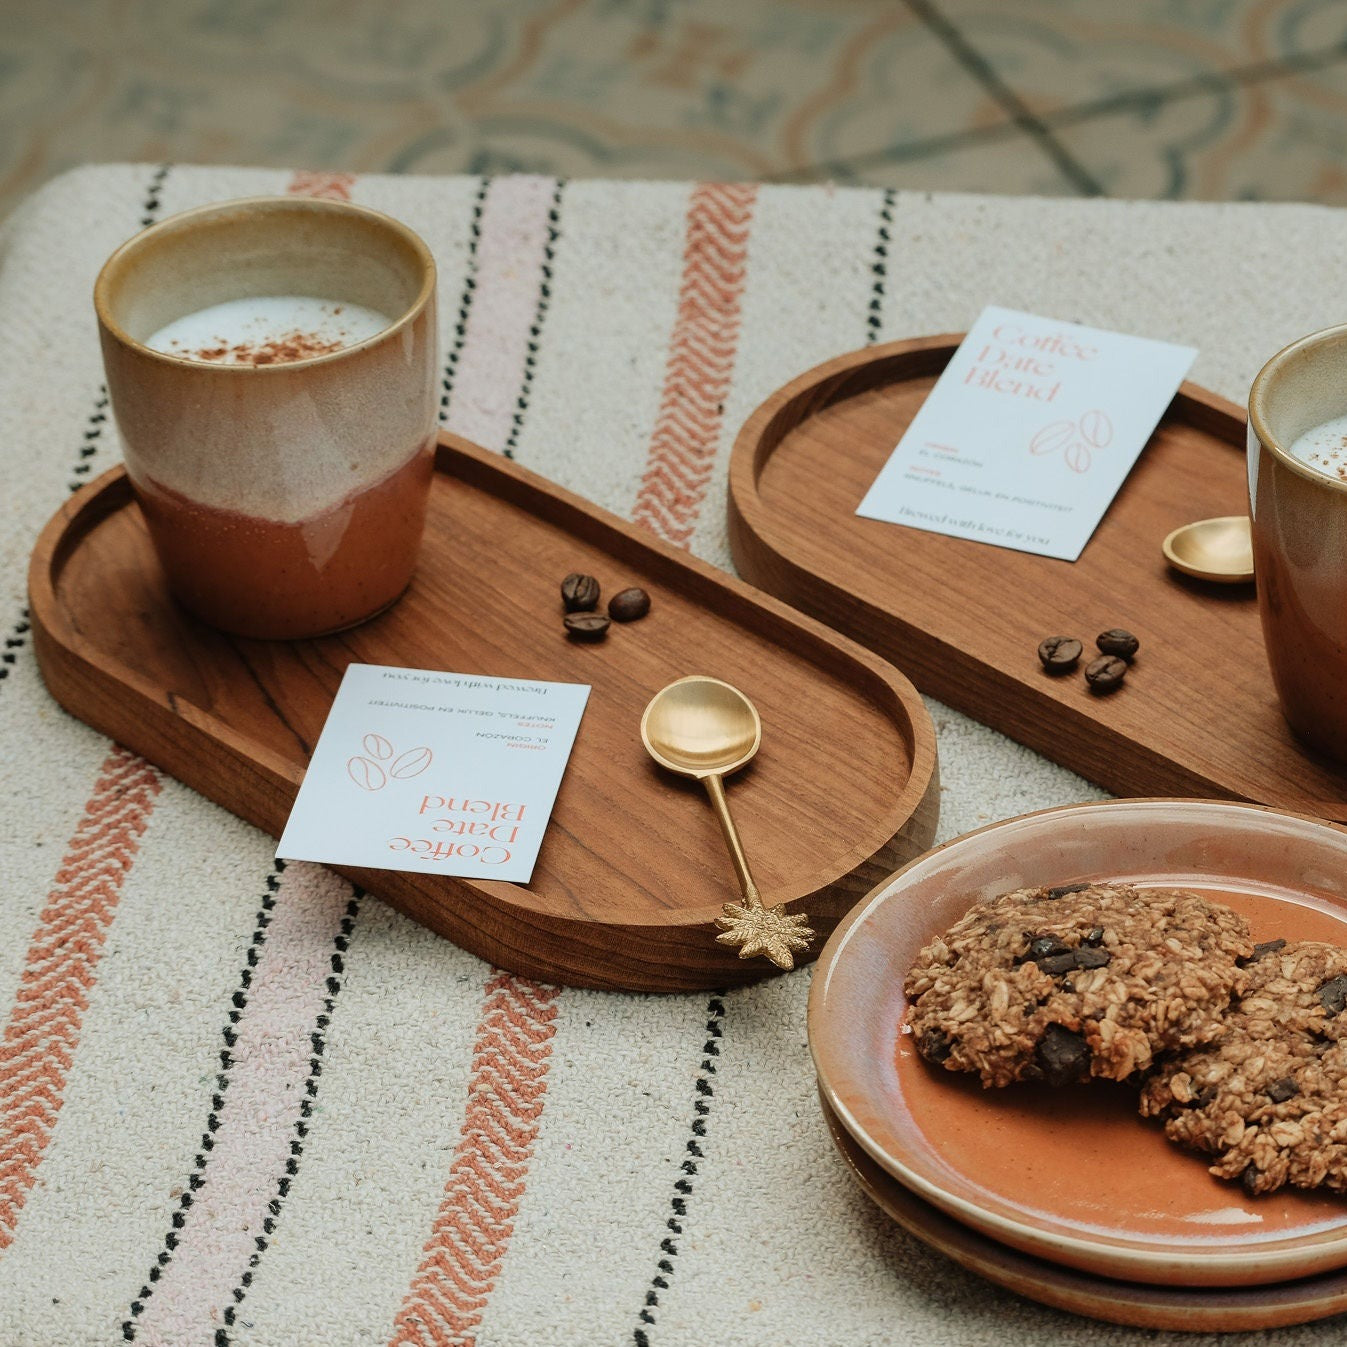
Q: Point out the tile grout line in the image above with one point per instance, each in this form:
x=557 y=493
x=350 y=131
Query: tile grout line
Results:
x=1127 y=100
x=1261 y=72
x=981 y=70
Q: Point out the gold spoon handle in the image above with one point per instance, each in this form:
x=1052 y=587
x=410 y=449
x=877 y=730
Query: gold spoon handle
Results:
x=715 y=788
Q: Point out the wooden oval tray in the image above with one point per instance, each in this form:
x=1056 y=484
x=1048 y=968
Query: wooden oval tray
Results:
x=632 y=871
x=1197 y=714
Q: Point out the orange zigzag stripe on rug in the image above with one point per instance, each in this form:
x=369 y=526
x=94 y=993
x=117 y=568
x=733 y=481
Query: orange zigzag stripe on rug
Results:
x=39 y=1042
x=467 y=1244
x=330 y=186
x=701 y=361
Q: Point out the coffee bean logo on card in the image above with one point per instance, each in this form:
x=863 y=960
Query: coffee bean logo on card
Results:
x=380 y=763
x=1075 y=440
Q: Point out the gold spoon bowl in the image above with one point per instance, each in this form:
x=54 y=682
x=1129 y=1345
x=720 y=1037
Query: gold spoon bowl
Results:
x=706 y=729
x=1218 y=549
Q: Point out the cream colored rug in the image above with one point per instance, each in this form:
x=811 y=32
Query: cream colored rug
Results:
x=240 y=1103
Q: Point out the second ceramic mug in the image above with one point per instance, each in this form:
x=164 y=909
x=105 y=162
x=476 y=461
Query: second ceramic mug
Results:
x=1299 y=517
x=284 y=499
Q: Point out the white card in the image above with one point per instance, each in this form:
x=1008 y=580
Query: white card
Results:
x=438 y=773
x=1028 y=434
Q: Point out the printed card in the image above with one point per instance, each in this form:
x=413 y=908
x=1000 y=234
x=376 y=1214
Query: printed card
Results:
x=1028 y=434
x=438 y=773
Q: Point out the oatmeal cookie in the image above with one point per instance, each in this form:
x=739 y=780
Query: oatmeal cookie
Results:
x=1066 y=983
x=1268 y=1098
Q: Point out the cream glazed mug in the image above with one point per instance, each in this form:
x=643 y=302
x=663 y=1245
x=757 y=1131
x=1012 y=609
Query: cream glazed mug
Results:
x=1299 y=526
x=284 y=499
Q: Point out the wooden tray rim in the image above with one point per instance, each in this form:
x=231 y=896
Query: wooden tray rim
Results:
x=458 y=457
x=753 y=446
x=761 y=545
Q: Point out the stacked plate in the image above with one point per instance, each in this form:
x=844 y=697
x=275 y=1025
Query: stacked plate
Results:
x=1069 y=1196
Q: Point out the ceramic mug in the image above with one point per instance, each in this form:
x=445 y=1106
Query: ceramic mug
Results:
x=1299 y=517
x=285 y=499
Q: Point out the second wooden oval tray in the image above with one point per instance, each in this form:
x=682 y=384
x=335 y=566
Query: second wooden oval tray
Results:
x=632 y=871
x=1197 y=714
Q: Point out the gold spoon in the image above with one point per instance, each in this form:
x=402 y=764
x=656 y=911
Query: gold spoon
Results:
x=703 y=728
x=1212 y=549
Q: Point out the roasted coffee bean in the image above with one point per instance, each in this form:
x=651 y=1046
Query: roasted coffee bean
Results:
x=1267 y=947
x=1333 y=994
x=933 y=1045
x=1106 y=673
x=1116 y=641
x=1282 y=1090
x=580 y=593
x=1063 y=1056
x=1063 y=889
x=1059 y=654
x=629 y=605
x=586 y=626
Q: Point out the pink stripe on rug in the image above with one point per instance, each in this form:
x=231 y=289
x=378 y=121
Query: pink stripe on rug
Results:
x=320 y=183
x=701 y=361
x=472 y=1230
x=43 y=1030
x=256 y=1124
x=508 y=273
x=508 y=1083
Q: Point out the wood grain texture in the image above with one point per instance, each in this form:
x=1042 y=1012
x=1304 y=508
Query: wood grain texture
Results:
x=632 y=872
x=1197 y=714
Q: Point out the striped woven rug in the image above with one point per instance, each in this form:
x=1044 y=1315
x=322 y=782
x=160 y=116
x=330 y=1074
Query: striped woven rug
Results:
x=241 y=1102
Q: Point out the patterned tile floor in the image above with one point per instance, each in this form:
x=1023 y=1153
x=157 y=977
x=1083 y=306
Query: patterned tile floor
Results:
x=1214 y=99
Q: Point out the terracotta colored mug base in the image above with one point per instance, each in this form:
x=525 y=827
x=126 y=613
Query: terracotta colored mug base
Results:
x=276 y=580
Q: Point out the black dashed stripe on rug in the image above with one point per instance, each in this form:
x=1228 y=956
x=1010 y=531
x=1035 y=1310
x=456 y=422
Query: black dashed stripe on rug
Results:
x=879 y=269
x=14 y=642
x=318 y=1042
x=154 y=195
x=465 y=303
x=98 y=420
x=196 y=1178
x=540 y=313
x=91 y=440
x=686 y=1182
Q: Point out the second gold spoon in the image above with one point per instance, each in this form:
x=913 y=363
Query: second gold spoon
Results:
x=1212 y=549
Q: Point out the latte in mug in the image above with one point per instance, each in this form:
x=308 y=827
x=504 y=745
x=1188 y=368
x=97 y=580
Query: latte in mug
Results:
x=268 y=330
x=1324 y=448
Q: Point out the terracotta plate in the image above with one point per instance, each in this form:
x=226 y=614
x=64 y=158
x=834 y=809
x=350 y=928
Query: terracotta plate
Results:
x=1076 y=1175
x=1193 y=1309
